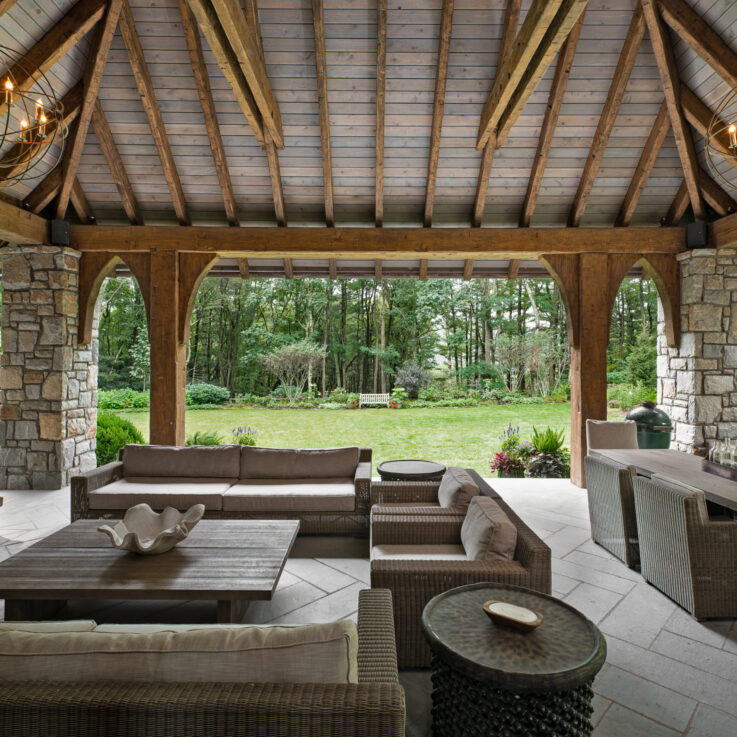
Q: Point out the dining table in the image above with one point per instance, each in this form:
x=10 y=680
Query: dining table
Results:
x=717 y=481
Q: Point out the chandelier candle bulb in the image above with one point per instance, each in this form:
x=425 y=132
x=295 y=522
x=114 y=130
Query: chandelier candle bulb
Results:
x=23 y=130
x=732 y=130
x=42 y=120
x=9 y=92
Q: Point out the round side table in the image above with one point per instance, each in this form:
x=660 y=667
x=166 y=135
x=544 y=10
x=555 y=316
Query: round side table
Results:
x=493 y=681
x=411 y=471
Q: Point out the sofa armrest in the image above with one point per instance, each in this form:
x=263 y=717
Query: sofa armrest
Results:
x=365 y=455
x=416 y=529
x=393 y=492
x=83 y=484
x=362 y=481
x=377 y=647
x=113 y=709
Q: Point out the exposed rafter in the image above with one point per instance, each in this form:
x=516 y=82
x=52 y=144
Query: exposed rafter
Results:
x=715 y=196
x=380 y=110
x=288 y=268
x=550 y=121
x=378 y=269
x=423 y=269
x=513 y=268
x=678 y=207
x=6 y=5
x=650 y=152
x=80 y=204
x=199 y=69
x=44 y=193
x=151 y=107
x=93 y=77
x=21 y=226
x=468 y=269
x=318 y=24
x=115 y=164
x=622 y=73
x=441 y=77
x=671 y=86
x=243 y=268
x=333 y=269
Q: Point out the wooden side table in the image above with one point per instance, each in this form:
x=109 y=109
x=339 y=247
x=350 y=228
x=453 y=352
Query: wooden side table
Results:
x=411 y=471
x=492 y=681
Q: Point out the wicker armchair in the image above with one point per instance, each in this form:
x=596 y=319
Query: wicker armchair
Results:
x=612 y=509
x=414 y=582
x=373 y=706
x=689 y=558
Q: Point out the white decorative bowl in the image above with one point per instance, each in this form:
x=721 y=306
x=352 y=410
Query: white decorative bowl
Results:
x=144 y=531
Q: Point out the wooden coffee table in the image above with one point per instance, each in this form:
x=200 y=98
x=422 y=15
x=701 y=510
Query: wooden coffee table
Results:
x=230 y=561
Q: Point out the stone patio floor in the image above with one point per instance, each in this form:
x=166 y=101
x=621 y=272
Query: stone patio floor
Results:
x=666 y=674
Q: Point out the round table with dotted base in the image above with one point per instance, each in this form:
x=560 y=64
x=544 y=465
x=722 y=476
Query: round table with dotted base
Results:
x=490 y=680
x=411 y=471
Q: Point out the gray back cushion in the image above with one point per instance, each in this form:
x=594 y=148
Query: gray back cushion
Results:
x=298 y=463
x=214 y=461
x=457 y=488
x=487 y=533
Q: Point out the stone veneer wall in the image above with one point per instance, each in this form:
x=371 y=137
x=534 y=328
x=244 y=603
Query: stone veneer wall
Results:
x=48 y=384
x=697 y=382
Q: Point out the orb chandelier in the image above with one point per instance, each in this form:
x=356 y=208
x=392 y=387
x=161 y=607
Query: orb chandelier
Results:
x=32 y=130
x=720 y=141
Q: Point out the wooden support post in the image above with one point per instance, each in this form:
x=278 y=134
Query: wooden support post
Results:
x=168 y=362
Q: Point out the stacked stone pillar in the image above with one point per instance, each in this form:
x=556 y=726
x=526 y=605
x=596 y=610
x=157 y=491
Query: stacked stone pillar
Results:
x=48 y=383
x=697 y=382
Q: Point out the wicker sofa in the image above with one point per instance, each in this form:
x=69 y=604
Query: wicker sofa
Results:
x=372 y=705
x=326 y=489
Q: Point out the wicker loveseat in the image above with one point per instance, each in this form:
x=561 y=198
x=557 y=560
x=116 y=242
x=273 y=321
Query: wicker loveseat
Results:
x=373 y=704
x=326 y=489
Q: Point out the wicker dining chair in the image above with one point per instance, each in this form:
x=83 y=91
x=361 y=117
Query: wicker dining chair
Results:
x=688 y=557
x=612 y=509
x=604 y=435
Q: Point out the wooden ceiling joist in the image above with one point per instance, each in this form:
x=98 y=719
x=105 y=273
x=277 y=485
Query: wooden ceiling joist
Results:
x=700 y=116
x=422 y=276
x=243 y=268
x=80 y=204
x=202 y=79
x=550 y=121
x=378 y=269
x=513 y=270
x=288 y=269
x=380 y=111
x=246 y=47
x=698 y=34
x=715 y=196
x=333 y=269
x=276 y=183
x=115 y=164
x=93 y=77
x=608 y=116
x=45 y=192
x=468 y=265
x=509 y=74
x=441 y=77
x=318 y=24
x=20 y=226
x=671 y=86
x=678 y=207
x=650 y=152
x=57 y=42
x=509 y=33
x=561 y=27
x=227 y=61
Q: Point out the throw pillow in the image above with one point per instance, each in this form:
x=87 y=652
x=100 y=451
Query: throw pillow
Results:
x=457 y=488
x=487 y=533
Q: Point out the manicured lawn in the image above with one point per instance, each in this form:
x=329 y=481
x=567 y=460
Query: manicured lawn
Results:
x=463 y=436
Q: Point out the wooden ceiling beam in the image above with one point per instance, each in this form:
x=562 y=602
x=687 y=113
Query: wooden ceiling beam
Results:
x=382 y=243
x=550 y=121
x=626 y=63
x=699 y=35
x=333 y=269
x=423 y=269
x=55 y=44
x=153 y=114
x=288 y=268
x=715 y=196
x=678 y=207
x=246 y=47
x=80 y=204
x=93 y=76
x=378 y=268
x=671 y=86
x=509 y=74
x=509 y=33
x=555 y=37
x=645 y=165
x=380 y=110
x=724 y=232
x=318 y=24
x=6 y=5
x=227 y=61
x=243 y=268
x=199 y=69
x=115 y=164
x=45 y=192
x=513 y=270
x=468 y=265
x=20 y=226
x=441 y=78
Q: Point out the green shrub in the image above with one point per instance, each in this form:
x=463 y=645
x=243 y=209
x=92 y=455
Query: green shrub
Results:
x=198 y=394
x=549 y=440
x=627 y=396
x=113 y=433
x=412 y=377
x=202 y=437
x=642 y=365
x=244 y=435
x=122 y=399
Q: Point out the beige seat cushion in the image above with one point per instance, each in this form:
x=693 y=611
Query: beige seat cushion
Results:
x=418 y=552
x=298 y=463
x=611 y=435
x=72 y=625
x=196 y=461
x=487 y=533
x=457 y=488
x=177 y=492
x=318 y=653
x=293 y=495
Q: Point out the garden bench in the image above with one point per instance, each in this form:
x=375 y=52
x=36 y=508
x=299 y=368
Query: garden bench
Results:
x=373 y=399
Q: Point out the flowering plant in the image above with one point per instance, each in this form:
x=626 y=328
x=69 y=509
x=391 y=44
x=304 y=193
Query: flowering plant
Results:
x=394 y=404
x=244 y=435
x=507 y=465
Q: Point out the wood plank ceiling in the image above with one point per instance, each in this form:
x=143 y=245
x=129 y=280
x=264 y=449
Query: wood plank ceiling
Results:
x=378 y=104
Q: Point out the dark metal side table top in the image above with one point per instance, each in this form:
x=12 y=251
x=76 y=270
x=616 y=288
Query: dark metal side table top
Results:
x=564 y=652
x=411 y=470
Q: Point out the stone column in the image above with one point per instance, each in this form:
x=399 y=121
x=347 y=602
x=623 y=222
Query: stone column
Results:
x=48 y=384
x=696 y=382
